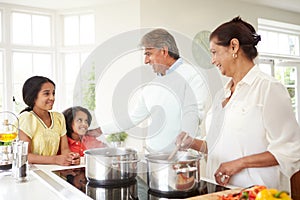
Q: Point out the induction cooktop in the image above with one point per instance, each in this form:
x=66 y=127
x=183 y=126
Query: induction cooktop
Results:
x=137 y=189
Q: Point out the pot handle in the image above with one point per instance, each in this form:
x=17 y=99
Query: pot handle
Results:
x=185 y=170
x=115 y=163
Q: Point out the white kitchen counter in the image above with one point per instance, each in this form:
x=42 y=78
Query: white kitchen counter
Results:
x=42 y=184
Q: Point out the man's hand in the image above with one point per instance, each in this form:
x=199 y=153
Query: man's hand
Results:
x=94 y=132
x=183 y=141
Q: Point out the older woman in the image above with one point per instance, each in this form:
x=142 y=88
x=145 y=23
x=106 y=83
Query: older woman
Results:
x=253 y=136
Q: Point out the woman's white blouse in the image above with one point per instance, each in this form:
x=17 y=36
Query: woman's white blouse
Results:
x=258 y=118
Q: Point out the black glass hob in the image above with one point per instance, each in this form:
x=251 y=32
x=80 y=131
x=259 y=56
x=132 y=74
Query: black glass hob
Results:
x=136 y=189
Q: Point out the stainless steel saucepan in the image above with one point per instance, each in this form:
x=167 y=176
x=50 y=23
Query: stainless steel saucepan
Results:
x=182 y=173
x=111 y=166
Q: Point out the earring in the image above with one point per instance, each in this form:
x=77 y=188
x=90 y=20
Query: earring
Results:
x=234 y=55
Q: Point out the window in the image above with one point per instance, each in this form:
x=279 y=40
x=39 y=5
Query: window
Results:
x=287 y=76
x=72 y=65
x=31 y=51
x=31 y=29
x=1 y=68
x=1 y=81
x=26 y=65
x=280 y=56
x=79 y=29
x=32 y=47
x=0 y=26
x=279 y=43
x=278 y=38
x=79 y=40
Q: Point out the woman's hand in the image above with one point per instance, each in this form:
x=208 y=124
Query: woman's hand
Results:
x=227 y=170
x=75 y=158
x=68 y=159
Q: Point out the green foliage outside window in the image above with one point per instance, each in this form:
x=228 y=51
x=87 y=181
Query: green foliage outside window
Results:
x=89 y=100
x=287 y=76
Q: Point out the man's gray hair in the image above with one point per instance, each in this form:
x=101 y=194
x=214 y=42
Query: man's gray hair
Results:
x=159 y=38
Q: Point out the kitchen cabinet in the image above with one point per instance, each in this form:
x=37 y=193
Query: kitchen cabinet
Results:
x=295 y=186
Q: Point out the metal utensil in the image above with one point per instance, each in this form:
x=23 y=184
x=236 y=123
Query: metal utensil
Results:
x=178 y=147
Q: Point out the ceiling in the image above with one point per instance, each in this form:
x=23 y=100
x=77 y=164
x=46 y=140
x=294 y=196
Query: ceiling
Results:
x=59 y=4
x=289 y=5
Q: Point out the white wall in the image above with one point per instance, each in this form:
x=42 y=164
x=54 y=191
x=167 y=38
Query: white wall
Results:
x=115 y=18
x=192 y=16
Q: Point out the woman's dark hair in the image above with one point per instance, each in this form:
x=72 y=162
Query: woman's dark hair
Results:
x=31 y=88
x=70 y=113
x=241 y=30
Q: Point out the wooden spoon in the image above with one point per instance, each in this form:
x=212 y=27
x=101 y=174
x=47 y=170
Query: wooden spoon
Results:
x=177 y=147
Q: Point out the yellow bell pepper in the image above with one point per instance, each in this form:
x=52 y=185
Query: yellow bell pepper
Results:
x=272 y=194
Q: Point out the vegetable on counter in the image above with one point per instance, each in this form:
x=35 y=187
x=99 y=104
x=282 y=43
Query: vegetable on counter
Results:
x=117 y=137
x=245 y=194
x=272 y=194
x=257 y=192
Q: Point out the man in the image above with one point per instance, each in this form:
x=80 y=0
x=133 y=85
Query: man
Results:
x=175 y=100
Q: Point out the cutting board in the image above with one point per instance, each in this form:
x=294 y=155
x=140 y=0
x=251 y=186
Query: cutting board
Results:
x=215 y=196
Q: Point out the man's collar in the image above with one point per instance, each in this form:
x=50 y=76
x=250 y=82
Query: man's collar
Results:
x=173 y=67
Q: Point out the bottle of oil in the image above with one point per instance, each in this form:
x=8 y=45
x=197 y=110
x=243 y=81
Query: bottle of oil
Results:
x=7 y=132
